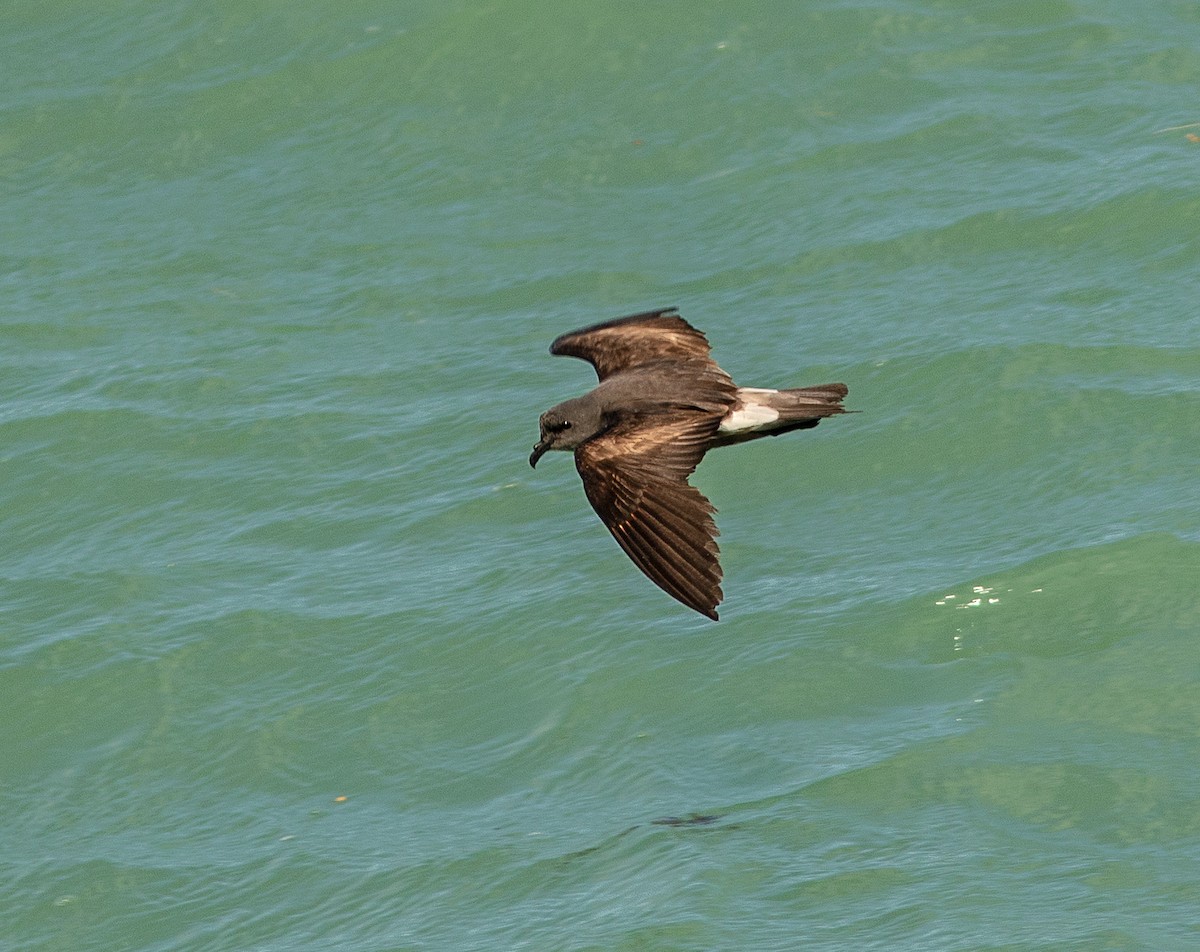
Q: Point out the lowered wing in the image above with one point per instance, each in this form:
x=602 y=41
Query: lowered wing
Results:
x=635 y=476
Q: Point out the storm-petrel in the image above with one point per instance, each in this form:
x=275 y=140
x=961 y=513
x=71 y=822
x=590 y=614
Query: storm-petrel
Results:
x=661 y=404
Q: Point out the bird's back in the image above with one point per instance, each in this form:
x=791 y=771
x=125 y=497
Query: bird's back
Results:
x=668 y=386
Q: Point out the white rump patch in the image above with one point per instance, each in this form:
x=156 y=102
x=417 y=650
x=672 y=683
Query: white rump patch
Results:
x=750 y=416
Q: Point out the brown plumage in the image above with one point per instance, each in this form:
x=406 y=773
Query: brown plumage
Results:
x=661 y=404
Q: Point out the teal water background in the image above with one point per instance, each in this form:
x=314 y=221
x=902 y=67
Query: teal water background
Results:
x=297 y=653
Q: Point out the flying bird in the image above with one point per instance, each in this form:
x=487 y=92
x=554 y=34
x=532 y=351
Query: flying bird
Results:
x=661 y=404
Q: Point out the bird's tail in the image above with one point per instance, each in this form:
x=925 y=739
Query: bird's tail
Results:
x=772 y=412
x=821 y=401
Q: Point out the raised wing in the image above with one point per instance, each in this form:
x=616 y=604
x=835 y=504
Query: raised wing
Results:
x=628 y=342
x=635 y=476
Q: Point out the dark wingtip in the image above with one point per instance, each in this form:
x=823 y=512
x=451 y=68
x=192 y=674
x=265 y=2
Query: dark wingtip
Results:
x=557 y=345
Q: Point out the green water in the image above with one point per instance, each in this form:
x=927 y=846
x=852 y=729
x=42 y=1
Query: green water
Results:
x=296 y=652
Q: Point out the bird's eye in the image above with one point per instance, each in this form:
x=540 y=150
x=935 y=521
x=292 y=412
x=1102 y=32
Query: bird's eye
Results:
x=566 y=424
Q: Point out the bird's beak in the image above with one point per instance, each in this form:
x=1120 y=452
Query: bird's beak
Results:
x=538 y=452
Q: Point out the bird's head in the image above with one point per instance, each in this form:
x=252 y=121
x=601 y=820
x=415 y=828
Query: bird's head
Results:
x=564 y=427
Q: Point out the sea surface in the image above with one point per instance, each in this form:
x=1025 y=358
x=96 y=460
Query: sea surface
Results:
x=297 y=653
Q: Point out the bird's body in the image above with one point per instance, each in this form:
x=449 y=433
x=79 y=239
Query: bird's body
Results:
x=661 y=404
